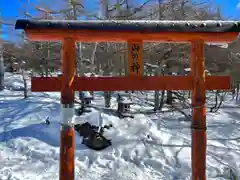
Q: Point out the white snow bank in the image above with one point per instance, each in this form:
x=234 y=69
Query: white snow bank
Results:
x=154 y=146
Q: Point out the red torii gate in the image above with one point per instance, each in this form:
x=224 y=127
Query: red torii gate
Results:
x=134 y=33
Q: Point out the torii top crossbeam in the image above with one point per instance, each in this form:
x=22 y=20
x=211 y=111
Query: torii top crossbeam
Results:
x=124 y=30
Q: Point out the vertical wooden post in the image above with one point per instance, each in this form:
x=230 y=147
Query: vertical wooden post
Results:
x=199 y=141
x=67 y=100
x=135 y=58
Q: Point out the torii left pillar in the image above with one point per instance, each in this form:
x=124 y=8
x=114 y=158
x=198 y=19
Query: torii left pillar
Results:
x=67 y=102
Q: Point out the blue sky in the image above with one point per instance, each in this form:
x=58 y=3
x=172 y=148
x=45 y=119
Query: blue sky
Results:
x=229 y=7
x=12 y=9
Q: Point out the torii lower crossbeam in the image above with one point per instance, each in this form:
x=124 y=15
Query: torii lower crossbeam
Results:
x=137 y=83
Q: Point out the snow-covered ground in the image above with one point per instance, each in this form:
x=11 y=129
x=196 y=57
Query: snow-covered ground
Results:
x=149 y=147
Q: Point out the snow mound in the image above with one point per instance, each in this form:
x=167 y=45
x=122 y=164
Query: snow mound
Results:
x=149 y=146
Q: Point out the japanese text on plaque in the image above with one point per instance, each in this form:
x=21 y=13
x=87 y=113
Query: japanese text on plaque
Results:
x=135 y=50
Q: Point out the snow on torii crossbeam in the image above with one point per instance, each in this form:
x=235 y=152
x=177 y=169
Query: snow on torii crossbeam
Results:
x=134 y=33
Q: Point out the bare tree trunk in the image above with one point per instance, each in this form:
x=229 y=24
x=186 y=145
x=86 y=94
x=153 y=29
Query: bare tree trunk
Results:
x=73 y=16
x=104 y=8
x=93 y=69
x=25 y=84
x=1 y=70
x=217 y=105
x=216 y=101
x=156 y=100
x=125 y=61
x=107 y=98
x=107 y=94
x=233 y=91
x=156 y=93
x=162 y=100
x=169 y=97
x=1 y=61
x=169 y=93
x=237 y=93
x=48 y=58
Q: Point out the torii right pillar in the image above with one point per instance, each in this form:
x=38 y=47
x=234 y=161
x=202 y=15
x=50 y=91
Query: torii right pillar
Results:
x=199 y=137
